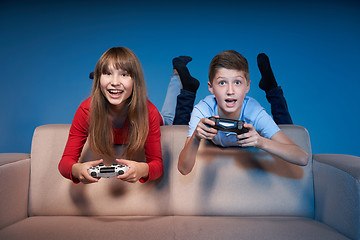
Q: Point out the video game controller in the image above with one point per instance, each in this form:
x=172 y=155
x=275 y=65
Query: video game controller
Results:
x=107 y=172
x=229 y=125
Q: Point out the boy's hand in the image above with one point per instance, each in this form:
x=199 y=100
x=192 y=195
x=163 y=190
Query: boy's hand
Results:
x=136 y=170
x=251 y=138
x=204 y=130
x=80 y=171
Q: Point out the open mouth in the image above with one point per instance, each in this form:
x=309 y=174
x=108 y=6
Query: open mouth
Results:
x=115 y=92
x=230 y=102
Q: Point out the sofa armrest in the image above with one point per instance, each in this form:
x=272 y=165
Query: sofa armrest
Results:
x=337 y=192
x=14 y=187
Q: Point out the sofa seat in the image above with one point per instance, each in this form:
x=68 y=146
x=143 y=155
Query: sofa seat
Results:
x=169 y=227
x=232 y=193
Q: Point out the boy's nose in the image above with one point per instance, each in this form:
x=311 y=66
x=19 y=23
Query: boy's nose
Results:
x=230 y=90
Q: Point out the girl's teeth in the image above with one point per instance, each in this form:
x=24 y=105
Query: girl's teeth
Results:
x=114 y=91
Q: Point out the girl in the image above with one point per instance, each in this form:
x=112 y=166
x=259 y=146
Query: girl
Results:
x=118 y=112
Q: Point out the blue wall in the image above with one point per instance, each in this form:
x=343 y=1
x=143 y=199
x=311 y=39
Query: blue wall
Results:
x=48 y=48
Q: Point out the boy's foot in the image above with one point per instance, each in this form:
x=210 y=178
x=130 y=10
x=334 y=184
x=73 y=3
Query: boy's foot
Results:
x=267 y=81
x=181 y=60
x=188 y=82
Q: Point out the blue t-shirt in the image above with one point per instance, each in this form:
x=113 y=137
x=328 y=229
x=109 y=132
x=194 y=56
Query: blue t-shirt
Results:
x=251 y=112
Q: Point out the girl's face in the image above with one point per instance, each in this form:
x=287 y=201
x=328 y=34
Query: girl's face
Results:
x=117 y=87
x=229 y=87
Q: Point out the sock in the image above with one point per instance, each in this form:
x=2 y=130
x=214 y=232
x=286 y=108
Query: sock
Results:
x=181 y=60
x=267 y=81
x=188 y=82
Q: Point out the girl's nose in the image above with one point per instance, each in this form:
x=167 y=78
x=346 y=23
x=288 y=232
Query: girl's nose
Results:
x=115 y=80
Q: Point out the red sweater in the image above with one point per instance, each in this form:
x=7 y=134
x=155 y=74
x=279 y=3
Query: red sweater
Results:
x=79 y=132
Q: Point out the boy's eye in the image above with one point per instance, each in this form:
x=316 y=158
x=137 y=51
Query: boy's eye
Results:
x=237 y=82
x=221 y=83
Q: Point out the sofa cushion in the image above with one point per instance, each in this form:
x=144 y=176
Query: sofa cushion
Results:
x=14 y=178
x=169 y=227
x=245 y=182
x=225 y=181
x=52 y=194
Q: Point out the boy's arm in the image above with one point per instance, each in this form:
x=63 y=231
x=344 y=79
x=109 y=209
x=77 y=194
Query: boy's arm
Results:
x=283 y=147
x=188 y=154
x=279 y=144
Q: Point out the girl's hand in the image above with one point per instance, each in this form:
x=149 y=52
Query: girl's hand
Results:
x=136 y=170
x=80 y=171
x=251 y=138
x=204 y=130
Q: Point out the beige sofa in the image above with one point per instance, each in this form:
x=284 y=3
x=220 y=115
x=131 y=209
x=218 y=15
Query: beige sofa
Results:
x=230 y=194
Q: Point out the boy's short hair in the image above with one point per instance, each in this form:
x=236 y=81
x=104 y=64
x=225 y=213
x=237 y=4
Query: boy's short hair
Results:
x=229 y=59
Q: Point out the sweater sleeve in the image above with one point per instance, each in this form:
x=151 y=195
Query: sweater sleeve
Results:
x=77 y=137
x=153 y=152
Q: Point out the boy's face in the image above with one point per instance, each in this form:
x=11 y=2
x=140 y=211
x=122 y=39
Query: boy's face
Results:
x=229 y=87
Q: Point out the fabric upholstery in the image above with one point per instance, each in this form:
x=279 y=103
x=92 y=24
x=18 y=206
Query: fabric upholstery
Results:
x=232 y=181
x=337 y=187
x=14 y=174
x=231 y=193
x=255 y=183
x=169 y=228
x=51 y=194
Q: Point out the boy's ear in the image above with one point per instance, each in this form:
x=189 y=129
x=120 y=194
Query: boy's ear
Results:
x=248 y=86
x=210 y=87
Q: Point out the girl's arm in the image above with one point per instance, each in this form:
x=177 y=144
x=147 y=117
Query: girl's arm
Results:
x=137 y=170
x=279 y=145
x=68 y=165
x=187 y=156
x=79 y=171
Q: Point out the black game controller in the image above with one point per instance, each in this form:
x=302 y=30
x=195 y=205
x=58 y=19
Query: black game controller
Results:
x=229 y=125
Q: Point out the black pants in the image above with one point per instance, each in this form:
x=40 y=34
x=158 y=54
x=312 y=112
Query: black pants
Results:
x=184 y=107
x=279 y=108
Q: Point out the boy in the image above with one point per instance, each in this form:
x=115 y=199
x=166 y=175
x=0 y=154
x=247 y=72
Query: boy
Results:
x=229 y=83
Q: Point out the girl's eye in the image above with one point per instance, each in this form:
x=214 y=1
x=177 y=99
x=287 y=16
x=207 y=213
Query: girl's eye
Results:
x=107 y=73
x=124 y=74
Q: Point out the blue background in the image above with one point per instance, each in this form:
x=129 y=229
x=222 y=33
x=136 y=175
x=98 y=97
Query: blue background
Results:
x=48 y=48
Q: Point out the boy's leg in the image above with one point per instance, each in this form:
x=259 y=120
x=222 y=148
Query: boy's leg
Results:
x=186 y=98
x=184 y=107
x=279 y=108
x=274 y=93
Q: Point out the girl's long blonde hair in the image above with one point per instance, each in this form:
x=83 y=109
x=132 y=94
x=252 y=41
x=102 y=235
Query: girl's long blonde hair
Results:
x=101 y=127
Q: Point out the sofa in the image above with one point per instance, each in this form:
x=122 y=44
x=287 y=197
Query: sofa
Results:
x=232 y=193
